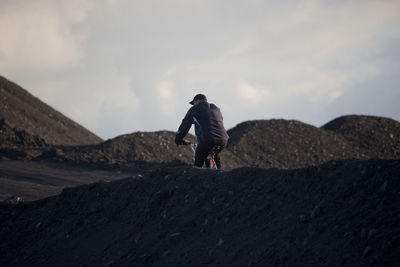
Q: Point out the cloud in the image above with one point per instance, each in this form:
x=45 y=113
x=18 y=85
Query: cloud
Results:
x=106 y=103
x=166 y=97
x=40 y=35
x=250 y=94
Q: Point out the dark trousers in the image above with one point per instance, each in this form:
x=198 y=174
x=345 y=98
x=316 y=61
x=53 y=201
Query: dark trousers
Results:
x=206 y=148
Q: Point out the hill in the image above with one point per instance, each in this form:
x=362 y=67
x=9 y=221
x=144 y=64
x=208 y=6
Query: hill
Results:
x=293 y=144
x=374 y=136
x=24 y=112
x=286 y=144
x=343 y=213
x=12 y=138
x=153 y=147
x=130 y=149
x=263 y=143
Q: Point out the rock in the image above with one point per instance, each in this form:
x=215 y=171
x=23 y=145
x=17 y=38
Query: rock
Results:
x=174 y=234
x=383 y=187
x=371 y=233
x=303 y=218
x=367 y=251
x=363 y=233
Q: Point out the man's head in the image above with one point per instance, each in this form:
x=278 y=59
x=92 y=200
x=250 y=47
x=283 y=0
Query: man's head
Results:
x=198 y=98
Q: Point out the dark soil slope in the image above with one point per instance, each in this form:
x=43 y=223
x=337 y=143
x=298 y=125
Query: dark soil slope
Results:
x=293 y=144
x=127 y=150
x=374 y=136
x=264 y=143
x=153 y=147
x=343 y=213
x=286 y=144
x=18 y=144
x=33 y=180
x=14 y=138
x=20 y=110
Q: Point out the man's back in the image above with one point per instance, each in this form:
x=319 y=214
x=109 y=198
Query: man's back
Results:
x=208 y=122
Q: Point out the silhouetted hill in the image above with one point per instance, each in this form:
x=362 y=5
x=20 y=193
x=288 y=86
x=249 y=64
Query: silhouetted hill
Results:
x=14 y=138
x=130 y=149
x=24 y=112
x=293 y=144
x=263 y=143
x=286 y=144
x=343 y=213
x=374 y=136
x=153 y=147
x=18 y=144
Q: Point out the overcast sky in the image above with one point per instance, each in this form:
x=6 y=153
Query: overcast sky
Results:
x=118 y=67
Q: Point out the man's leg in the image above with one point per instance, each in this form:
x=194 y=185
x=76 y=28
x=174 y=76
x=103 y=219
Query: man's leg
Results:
x=201 y=154
x=217 y=159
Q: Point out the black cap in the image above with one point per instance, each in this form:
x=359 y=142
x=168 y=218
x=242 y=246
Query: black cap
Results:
x=198 y=97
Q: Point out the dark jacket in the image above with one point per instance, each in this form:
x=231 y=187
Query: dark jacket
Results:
x=207 y=119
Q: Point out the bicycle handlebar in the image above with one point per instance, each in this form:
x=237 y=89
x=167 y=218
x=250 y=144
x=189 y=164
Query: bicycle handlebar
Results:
x=186 y=143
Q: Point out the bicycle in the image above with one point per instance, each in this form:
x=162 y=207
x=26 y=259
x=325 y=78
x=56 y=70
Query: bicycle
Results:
x=210 y=161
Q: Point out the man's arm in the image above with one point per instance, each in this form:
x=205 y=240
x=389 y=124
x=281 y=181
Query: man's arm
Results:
x=185 y=125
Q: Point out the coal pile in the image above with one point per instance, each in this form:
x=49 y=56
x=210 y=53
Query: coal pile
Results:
x=23 y=180
x=20 y=110
x=132 y=149
x=19 y=144
x=14 y=138
x=293 y=144
x=373 y=136
x=343 y=213
x=153 y=147
x=264 y=143
x=286 y=144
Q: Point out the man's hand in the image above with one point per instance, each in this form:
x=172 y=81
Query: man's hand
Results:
x=179 y=141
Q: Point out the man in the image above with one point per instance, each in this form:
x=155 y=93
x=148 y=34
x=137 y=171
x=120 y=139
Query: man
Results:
x=209 y=128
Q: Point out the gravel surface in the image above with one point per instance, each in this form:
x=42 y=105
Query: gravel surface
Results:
x=342 y=213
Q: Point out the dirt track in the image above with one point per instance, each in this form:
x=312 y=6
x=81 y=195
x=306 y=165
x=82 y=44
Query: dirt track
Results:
x=33 y=180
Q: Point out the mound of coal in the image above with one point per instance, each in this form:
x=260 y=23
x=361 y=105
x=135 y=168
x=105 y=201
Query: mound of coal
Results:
x=264 y=143
x=286 y=144
x=374 y=136
x=14 y=138
x=293 y=144
x=342 y=213
x=129 y=149
x=20 y=110
x=153 y=147
x=18 y=144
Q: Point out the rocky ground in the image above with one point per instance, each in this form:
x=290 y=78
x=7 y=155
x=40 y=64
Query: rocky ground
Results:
x=33 y=180
x=342 y=213
x=19 y=109
x=325 y=196
x=264 y=143
x=293 y=144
